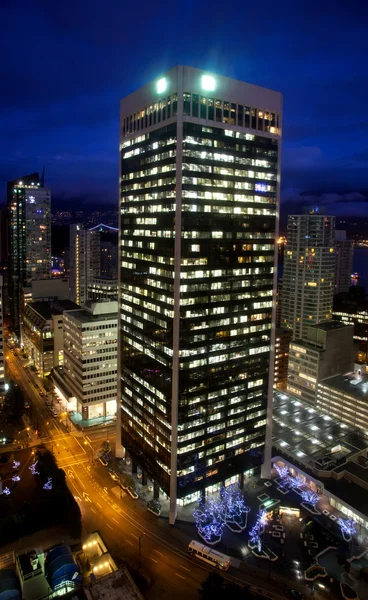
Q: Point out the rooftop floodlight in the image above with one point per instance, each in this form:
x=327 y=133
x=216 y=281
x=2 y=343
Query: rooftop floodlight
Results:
x=208 y=83
x=161 y=85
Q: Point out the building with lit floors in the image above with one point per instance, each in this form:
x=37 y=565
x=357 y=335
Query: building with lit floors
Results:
x=282 y=342
x=90 y=359
x=344 y=254
x=199 y=194
x=325 y=350
x=29 y=239
x=43 y=334
x=102 y=288
x=84 y=260
x=309 y=270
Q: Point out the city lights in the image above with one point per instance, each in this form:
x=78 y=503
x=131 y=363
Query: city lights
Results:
x=48 y=484
x=32 y=468
x=348 y=528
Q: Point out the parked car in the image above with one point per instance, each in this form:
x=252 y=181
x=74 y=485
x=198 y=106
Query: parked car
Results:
x=36 y=386
x=54 y=412
x=41 y=393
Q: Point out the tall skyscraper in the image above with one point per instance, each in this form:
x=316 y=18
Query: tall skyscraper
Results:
x=309 y=271
x=29 y=227
x=199 y=190
x=84 y=260
x=344 y=262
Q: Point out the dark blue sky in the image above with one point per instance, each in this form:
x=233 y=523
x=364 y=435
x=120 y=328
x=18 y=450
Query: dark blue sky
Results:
x=65 y=65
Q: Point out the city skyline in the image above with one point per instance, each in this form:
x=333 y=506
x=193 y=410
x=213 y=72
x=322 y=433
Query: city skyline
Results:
x=318 y=65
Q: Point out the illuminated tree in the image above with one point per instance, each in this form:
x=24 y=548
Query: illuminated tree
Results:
x=296 y=481
x=234 y=506
x=283 y=472
x=348 y=527
x=310 y=497
x=255 y=534
x=212 y=516
x=209 y=520
x=48 y=484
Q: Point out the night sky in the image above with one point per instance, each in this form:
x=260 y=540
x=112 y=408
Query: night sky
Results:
x=65 y=65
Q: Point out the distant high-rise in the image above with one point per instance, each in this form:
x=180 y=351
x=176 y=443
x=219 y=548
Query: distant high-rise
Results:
x=199 y=189
x=344 y=250
x=309 y=271
x=29 y=239
x=84 y=260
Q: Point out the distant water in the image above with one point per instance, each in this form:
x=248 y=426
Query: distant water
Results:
x=360 y=265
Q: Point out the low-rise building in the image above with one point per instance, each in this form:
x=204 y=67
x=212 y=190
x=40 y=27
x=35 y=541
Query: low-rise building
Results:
x=345 y=397
x=42 y=333
x=282 y=342
x=90 y=359
x=325 y=350
x=46 y=289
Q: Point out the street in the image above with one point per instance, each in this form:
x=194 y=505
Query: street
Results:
x=128 y=529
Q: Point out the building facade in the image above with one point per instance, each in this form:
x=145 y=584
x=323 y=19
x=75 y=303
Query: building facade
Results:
x=309 y=268
x=43 y=333
x=282 y=343
x=90 y=359
x=345 y=398
x=344 y=254
x=84 y=260
x=199 y=190
x=102 y=288
x=29 y=239
x=325 y=350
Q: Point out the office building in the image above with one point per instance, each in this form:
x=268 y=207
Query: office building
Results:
x=345 y=398
x=46 y=289
x=329 y=455
x=4 y=258
x=351 y=308
x=29 y=239
x=2 y=363
x=199 y=190
x=102 y=288
x=344 y=252
x=325 y=350
x=309 y=268
x=90 y=359
x=84 y=260
x=282 y=342
x=43 y=335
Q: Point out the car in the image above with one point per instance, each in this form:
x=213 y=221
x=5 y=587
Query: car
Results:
x=36 y=386
x=54 y=413
x=50 y=407
x=15 y=354
x=295 y=594
x=41 y=393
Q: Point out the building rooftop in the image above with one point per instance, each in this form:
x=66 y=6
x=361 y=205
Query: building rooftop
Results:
x=329 y=325
x=96 y=311
x=351 y=383
x=47 y=309
x=117 y=586
x=311 y=438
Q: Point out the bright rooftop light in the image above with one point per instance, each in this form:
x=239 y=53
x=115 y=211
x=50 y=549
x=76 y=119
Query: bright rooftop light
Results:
x=161 y=85
x=208 y=83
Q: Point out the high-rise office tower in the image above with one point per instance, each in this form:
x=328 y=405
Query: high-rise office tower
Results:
x=199 y=188
x=344 y=262
x=84 y=260
x=29 y=239
x=309 y=271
